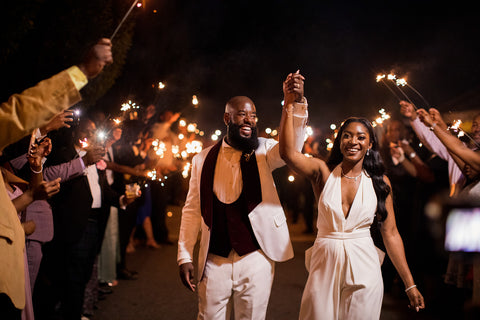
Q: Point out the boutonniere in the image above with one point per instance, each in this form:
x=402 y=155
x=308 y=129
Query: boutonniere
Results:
x=101 y=165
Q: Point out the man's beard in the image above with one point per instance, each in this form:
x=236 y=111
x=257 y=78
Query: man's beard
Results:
x=240 y=143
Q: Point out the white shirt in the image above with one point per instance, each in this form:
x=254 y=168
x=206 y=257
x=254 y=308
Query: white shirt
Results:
x=92 y=176
x=227 y=181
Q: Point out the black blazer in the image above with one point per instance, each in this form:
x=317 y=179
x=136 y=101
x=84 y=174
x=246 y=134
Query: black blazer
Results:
x=71 y=207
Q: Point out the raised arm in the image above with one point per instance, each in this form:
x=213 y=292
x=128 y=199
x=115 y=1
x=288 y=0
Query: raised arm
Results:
x=453 y=144
x=311 y=168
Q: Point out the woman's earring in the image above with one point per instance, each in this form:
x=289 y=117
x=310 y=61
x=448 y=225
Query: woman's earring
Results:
x=368 y=152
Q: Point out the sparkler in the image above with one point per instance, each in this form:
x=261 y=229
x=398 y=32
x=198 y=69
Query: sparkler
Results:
x=83 y=143
x=195 y=101
x=403 y=82
x=123 y=19
x=33 y=140
x=393 y=78
x=456 y=127
x=380 y=78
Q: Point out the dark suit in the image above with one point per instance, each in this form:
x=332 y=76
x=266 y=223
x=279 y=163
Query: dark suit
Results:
x=69 y=257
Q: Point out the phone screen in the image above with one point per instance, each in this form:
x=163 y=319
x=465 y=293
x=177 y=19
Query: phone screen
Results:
x=462 y=230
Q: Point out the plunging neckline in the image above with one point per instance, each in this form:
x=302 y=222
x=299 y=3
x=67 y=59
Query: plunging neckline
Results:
x=345 y=216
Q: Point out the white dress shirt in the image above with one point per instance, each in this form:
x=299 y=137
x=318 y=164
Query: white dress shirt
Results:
x=227 y=182
x=92 y=176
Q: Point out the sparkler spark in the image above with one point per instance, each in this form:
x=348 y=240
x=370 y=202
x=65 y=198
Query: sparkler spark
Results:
x=123 y=19
x=83 y=143
x=195 y=101
x=382 y=77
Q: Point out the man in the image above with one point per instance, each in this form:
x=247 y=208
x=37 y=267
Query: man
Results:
x=80 y=213
x=22 y=113
x=233 y=202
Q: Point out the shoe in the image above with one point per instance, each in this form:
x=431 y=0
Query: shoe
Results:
x=105 y=290
x=127 y=275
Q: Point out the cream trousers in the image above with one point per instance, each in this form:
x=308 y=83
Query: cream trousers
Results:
x=238 y=284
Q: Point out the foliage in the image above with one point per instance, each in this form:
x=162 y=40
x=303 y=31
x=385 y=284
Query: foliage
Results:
x=42 y=37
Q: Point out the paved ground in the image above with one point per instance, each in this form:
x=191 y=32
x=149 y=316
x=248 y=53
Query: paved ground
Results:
x=159 y=294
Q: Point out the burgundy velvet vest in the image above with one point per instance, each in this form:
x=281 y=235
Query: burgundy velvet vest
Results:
x=229 y=225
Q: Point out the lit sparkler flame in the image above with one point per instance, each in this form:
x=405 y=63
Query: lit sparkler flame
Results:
x=456 y=125
x=391 y=77
x=194 y=146
x=83 y=143
x=152 y=174
x=129 y=105
x=380 y=77
x=195 y=100
x=161 y=85
x=186 y=169
x=191 y=127
x=401 y=82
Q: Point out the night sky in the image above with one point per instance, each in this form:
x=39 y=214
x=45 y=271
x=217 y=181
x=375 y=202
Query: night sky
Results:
x=217 y=49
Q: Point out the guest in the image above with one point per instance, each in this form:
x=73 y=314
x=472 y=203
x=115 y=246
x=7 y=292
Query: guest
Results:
x=22 y=113
x=38 y=190
x=80 y=213
x=428 y=138
x=40 y=211
x=432 y=119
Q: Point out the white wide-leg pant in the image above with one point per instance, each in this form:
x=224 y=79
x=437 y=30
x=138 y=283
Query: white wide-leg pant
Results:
x=241 y=284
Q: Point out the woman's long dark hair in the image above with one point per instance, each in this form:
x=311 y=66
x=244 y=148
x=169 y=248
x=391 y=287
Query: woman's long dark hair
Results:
x=372 y=164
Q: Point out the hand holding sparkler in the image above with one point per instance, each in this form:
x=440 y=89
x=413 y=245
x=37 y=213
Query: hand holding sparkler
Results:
x=437 y=117
x=45 y=189
x=94 y=154
x=38 y=151
x=97 y=58
x=407 y=110
x=426 y=119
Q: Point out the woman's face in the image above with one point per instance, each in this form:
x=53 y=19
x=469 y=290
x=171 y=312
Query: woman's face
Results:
x=355 y=141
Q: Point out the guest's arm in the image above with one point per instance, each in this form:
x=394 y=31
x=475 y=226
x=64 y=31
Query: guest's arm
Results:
x=453 y=144
x=35 y=106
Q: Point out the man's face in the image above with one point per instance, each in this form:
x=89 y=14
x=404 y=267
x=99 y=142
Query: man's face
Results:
x=241 y=120
x=244 y=116
x=476 y=129
x=86 y=130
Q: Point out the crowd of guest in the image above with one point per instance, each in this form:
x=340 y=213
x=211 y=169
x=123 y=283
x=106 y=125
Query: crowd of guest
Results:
x=79 y=193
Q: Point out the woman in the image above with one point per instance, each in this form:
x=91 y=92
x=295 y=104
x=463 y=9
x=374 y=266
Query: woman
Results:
x=345 y=280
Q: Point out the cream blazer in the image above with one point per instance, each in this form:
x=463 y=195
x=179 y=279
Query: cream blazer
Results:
x=268 y=219
x=22 y=113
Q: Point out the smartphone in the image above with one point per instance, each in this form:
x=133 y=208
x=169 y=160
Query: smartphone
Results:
x=462 y=229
